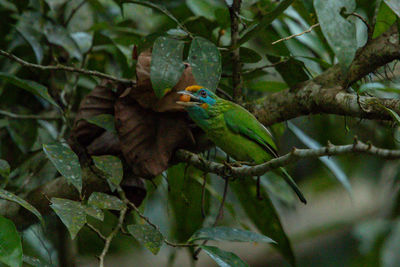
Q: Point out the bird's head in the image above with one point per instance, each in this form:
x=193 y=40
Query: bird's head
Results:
x=197 y=97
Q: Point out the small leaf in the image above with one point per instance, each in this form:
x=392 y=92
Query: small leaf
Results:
x=95 y=212
x=393 y=114
x=385 y=18
x=339 y=32
x=58 y=35
x=224 y=258
x=248 y=55
x=23 y=133
x=394 y=5
x=149 y=237
x=71 y=213
x=30 y=86
x=104 y=201
x=32 y=37
x=66 y=162
x=14 y=198
x=10 y=243
x=111 y=166
x=4 y=168
x=166 y=65
x=105 y=121
x=205 y=60
x=329 y=162
x=222 y=233
x=84 y=40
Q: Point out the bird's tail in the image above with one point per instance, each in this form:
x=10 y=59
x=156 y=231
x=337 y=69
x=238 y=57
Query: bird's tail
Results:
x=292 y=184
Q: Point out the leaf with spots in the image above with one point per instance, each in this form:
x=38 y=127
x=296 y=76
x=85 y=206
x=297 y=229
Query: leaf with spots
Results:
x=222 y=233
x=149 y=237
x=4 y=168
x=205 y=60
x=14 y=198
x=105 y=121
x=95 y=212
x=66 y=162
x=166 y=65
x=224 y=258
x=104 y=201
x=111 y=166
x=71 y=213
x=10 y=244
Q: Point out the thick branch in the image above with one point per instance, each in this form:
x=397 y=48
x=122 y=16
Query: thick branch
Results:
x=234 y=11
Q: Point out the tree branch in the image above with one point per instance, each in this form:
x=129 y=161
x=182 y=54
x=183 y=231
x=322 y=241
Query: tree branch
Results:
x=65 y=68
x=234 y=11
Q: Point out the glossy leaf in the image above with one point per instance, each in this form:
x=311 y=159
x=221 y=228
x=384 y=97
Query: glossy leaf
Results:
x=149 y=237
x=58 y=35
x=105 y=121
x=14 y=198
x=329 y=162
x=263 y=214
x=4 y=168
x=221 y=233
x=394 y=5
x=23 y=133
x=111 y=166
x=32 y=37
x=339 y=32
x=104 y=201
x=10 y=244
x=385 y=18
x=224 y=258
x=205 y=60
x=30 y=86
x=166 y=65
x=66 y=162
x=84 y=41
x=265 y=21
x=71 y=213
x=393 y=114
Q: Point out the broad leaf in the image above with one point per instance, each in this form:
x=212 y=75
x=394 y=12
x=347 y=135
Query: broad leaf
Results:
x=329 y=162
x=71 y=213
x=83 y=40
x=205 y=8
x=58 y=35
x=205 y=60
x=95 y=212
x=104 y=201
x=385 y=18
x=105 y=121
x=263 y=214
x=23 y=133
x=149 y=237
x=265 y=21
x=166 y=65
x=32 y=37
x=248 y=55
x=222 y=233
x=10 y=243
x=14 y=198
x=394 y=5
x=111 y=166
x=339 y=32
x=66 y=162
x=4 y=168
x=224 y=258
x=30 y=86
x=267 y=86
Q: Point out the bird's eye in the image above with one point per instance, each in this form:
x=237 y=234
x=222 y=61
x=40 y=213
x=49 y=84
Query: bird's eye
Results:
x=203 y=93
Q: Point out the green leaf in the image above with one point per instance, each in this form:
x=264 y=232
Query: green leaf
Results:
x=105 y=121
x=205 y=60
x=267 y=86
x=149 y=237
x=293 y=71
x=35 y=262
x=332 y=165
x=391 y=246
x=71 y=213
x=385 y=18
x=111 y=166
x=224 y=258
x=248 y=55
x=166 y=65
x=393 y=114
x=4 y=168
x=84 y=41
x=221 y=233
x=394 y=5
x=10 y=243
x=205 y=8
x=30 y=86
x=263 y=214
x=58 y=35
x=339 y=32
x=14 y=198
x=32 y=37
x=66 y=162
x=104 y=201
x=23 y=133
x=265 y=21
x=95 y=212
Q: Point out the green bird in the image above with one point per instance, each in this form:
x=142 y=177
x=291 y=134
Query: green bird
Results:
x=232 y=128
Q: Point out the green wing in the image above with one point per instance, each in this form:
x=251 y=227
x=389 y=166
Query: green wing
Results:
x=242 y=122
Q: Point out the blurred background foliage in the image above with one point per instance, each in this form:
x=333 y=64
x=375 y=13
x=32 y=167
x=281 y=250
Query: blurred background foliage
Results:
x=352 y=215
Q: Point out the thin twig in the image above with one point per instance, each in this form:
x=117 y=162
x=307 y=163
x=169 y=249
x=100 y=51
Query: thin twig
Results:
x=28 y=117
x=71 y=15
x=97 y=231
x=369 y=28
x=60 y=67
x=234 y=11
x=296 y=35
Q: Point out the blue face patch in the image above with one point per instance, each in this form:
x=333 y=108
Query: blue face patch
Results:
x=206 y=96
